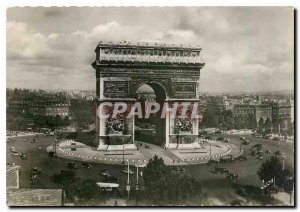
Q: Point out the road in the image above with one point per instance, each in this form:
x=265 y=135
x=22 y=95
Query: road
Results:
x=215 y=185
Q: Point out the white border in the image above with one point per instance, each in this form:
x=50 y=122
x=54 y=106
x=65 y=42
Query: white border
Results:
x=12 y=3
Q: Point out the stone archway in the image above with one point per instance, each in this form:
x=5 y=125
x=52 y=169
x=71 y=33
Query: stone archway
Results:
x=156 y=134
x=173 y=71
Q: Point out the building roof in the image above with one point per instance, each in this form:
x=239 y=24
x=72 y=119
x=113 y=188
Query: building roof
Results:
x=35 y=197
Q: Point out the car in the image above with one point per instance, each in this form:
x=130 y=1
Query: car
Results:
x=86 y=165
x=13 y=149
x=226 y=140
x=35 y=170
x=39 y=147
x=23 y=156
x=225 y=159
x=147 y=147
x=260 y=157
x=220 y=138
x=257 y=135
x=220 y=170
x=242 y=138
x=126 y=171
x=233 y=177
x=218 y=132
x=245 y=142
x=15 y=153
x=213 y=162
x=178 y=169
x=268 y=151
x=243 y=158
x=208 y=137
x=276 y=139
x=253 y=153
x=257 y=146
x=72 y=165
x=52 y=154
x=104 y=173
x=34 y=176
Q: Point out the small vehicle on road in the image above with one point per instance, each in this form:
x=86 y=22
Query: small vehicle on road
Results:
x=246 y=142
x=126 y=171
x=15 y=153
x=104 y=173
x=213 y=162
x=228 y=158
x=218 y=132
x=243 y=157
x=226 y=140
x=178 y=169
x=260 y=157
x=72 y=165
x=86 y=165
x=220 y=170
x=23 y=156
x=220 y=138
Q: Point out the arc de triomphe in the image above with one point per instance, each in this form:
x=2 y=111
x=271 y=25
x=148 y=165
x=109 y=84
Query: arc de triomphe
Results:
x=173 y=72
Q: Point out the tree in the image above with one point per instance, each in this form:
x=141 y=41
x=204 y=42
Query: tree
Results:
x=273 y=167
x=165 y=185
x=87 y=189
x=66 y=179
x=267 y=126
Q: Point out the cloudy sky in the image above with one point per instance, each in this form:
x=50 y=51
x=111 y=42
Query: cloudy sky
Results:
x=245 y=49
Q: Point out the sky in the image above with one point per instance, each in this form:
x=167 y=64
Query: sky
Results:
x=245 y=49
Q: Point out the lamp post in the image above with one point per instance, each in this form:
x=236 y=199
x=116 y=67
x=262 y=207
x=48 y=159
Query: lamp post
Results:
x=137 y=186
x=123 y=154
x=128 y=182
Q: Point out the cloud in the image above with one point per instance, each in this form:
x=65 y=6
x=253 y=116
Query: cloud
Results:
x=244 y=49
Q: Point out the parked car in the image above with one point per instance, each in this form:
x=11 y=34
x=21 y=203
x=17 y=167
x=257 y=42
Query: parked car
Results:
x=268 y=151
x=104 y=173
x=260 y=157
x=125 y=171
x=220 y=138
x=178 y=169
x=253 y=152
x=86 y=165
x=213 y=162
x=220 y=170
x=39 y=147
x=36 y=170
x=23 y=156
x=15 y=153
x=246 y=142
x=218 y=132
x=243 y=157
x=242 y=138
x=257 y=146
x=72 y=165
x=226 y=140
x=233 y=177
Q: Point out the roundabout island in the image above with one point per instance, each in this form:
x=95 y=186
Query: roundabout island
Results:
x=211 y=150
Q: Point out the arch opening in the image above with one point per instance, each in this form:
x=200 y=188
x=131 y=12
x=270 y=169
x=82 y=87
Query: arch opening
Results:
x=153 y=129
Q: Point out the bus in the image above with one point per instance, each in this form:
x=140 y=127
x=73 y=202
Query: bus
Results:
x=107 y=186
